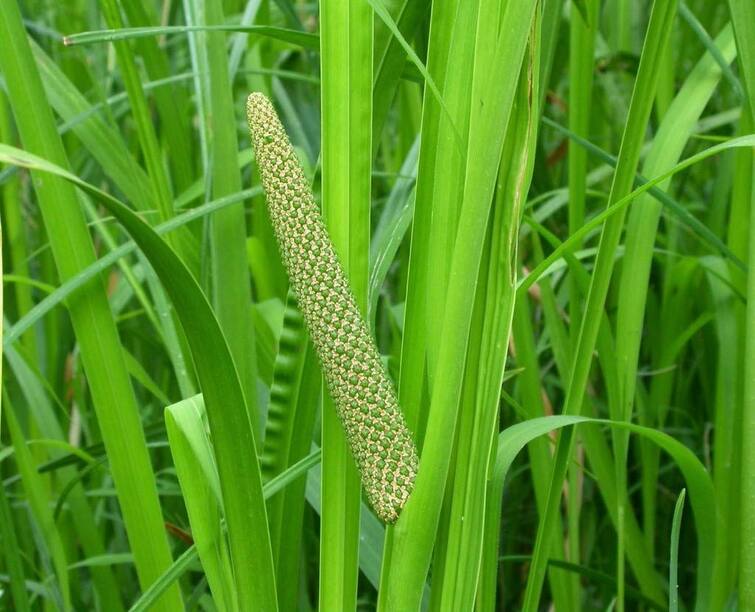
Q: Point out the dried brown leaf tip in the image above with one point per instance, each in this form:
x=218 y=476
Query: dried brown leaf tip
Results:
x=364 y=396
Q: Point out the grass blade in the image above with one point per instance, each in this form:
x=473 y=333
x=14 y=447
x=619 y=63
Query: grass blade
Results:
x=659 y=28
x=699 y=484
x=52 y=550
x=673 y=592
x=95 y=329
x=182 y=563
x=13 y=563
x=415 y=531
x=488 y=348
x=567 y=245
x=229 y=277
x=226 y=405
x=299 y=39
x=197 y=473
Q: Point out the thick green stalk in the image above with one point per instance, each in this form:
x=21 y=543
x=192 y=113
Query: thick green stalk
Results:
x=494 y=312
x=414 y=340
x=494 y=85
x=743 y=16
x=346 y=64
x=583 y=31
x=92 y=321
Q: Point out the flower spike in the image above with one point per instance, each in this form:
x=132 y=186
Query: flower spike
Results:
x=363 y=394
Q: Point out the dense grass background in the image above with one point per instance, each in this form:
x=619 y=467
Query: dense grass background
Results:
x=546 y=211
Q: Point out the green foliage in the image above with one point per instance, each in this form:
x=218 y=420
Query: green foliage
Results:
x=533 y=219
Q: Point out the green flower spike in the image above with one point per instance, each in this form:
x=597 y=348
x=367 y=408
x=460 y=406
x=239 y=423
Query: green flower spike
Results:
x=363 y=394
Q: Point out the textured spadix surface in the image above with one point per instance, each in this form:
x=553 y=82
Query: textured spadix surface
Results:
x=363 y=394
